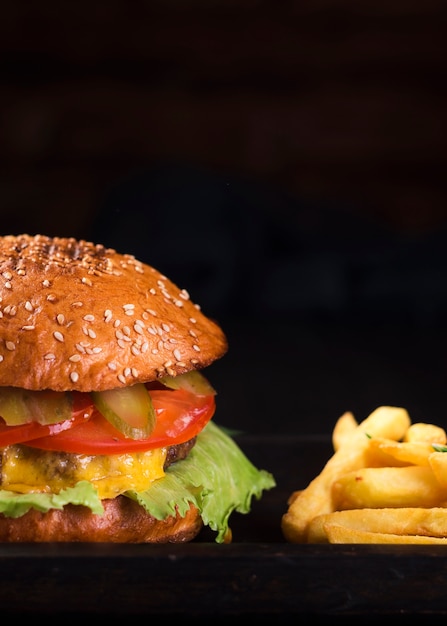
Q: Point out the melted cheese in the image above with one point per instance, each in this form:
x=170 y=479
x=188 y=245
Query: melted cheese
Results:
x=25 y=470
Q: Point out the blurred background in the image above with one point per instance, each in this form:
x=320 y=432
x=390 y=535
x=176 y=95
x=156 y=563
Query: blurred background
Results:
x=283 y=161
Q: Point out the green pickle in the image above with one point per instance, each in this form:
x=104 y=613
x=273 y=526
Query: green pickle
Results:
x=128 y=409
x=22 y=406
x=192 y=381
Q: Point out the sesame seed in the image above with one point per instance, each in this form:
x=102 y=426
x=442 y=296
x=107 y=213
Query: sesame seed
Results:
x=10 y=345
x=45 y=283
x=111 y=366
x=74 y=377
x=134 y=372
x=127 y=371
x=122 y=378
x=58 y=336
x=87 y=281
x=7 y=275
x=196 y=347
x=28 y=327
x=107 y=315
x=60 y=319
x=74 y=358
x=193 y=320
x=8 y=285
x=89 y=318
x=1 y=358
x=177 y=354
x=91 y=333
x=28 y=306
x=166 y=327
x=49 y=356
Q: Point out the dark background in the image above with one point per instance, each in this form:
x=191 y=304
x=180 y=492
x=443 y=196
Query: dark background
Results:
x=283 y=161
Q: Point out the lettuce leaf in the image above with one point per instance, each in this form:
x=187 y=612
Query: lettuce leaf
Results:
x=17 y=504
x=216 y=477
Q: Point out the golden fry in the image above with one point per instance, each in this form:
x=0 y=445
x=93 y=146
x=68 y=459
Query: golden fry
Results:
x=430 y=433
x=380 y=487
x=404 y=453
x=438 y=464
x=343 y=429
x=430 y=522
x=341 y=534
x=316 y=498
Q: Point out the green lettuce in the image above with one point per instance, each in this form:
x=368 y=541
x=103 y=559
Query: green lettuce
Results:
x=216 y=477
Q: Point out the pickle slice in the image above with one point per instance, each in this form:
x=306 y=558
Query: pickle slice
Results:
x=22 y=406
x=128 y=409
x=193 y=381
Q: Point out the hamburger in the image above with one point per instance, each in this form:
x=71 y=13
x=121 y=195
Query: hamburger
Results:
x=106 y=431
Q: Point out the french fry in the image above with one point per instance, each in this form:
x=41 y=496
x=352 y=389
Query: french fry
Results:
x=405 y=453
x=343 y=429
x=341 y=534
x=438 y=464
x=420 y=431
x=316 y=498
x=430 y=522
x=379 y=487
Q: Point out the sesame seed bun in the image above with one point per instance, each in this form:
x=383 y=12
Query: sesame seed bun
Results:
x=75 y=315
x=124 y=521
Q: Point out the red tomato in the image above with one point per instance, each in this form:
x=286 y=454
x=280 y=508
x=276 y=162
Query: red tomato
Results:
x=82 y=411
x=180 y=416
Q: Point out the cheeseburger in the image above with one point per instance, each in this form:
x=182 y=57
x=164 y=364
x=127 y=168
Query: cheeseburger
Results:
x=106 y=431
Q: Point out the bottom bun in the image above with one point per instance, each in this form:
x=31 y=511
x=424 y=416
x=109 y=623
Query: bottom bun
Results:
x=123 y=521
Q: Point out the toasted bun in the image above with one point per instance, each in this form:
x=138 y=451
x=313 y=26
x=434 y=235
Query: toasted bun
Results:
x=124 y=521
x=75 y=315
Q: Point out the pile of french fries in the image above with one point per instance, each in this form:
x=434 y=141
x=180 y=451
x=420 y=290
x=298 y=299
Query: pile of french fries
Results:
x=386 y=482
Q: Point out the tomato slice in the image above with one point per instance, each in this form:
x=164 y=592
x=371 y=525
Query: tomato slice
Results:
x=181 y=415
x=81 y=413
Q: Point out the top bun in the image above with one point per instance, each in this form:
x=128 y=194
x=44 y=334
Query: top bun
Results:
x=75 y=315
